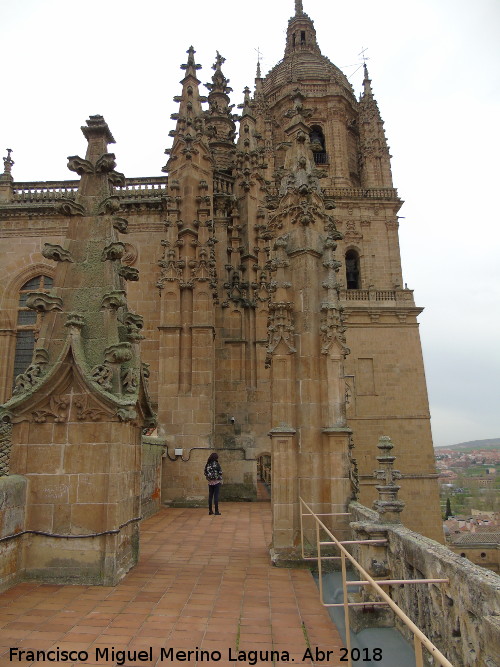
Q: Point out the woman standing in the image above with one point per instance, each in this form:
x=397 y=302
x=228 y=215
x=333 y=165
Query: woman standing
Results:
x=213 y=473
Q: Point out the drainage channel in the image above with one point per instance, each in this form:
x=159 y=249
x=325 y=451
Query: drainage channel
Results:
x=385 y=647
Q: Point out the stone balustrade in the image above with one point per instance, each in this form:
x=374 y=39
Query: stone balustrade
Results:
x=376 y=295
x=155 y=186
x=462 y=617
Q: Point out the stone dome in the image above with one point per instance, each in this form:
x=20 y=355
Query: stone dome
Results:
x=305 y=66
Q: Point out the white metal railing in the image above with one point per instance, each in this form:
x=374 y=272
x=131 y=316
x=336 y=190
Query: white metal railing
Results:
x=419 y=639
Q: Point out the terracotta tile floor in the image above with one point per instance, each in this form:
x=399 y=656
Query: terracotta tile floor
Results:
x=202 y=582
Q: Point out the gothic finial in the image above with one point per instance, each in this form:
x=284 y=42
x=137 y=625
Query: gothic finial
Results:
x=218 y=62
x=190 y=63
x=367 y=81
x=8 y=162
x=258 y=62
x=299 y=9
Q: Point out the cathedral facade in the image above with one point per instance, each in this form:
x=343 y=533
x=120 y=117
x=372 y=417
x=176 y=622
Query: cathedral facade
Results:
x=256 y=305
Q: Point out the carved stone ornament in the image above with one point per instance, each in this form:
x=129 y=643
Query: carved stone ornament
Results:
x=102 y=375
x=134 y=324
x=114 y=300
x=118 y=354
x=84 y=412
x=79 y=165
x=388 y=502
x=69 y=207
x=280 y=329
x=128 y=273
x=33 y=374
x=145 y=373
x=109 y=206
x=26 y=381
x=130 y=380
x=57 y=253
x=126 y=414
x=130 y=255
x=56 y=408
x=43 y=302
x=105 y=163
x=332 y=329
x=75 y=320
x=113 y=251
x=120 y=224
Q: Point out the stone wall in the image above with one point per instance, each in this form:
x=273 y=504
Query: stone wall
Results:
x=152 y=450
x=485 y=555
x=462 y=617
x=12 y=521
x=184 y=484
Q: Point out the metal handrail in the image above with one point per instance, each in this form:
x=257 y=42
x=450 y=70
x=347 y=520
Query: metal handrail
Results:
x=419 y=639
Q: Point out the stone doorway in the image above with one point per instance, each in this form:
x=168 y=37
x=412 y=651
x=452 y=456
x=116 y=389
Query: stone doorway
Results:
x=264 y=477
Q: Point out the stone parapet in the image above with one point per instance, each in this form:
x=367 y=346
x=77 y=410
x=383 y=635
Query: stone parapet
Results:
x=462 y=617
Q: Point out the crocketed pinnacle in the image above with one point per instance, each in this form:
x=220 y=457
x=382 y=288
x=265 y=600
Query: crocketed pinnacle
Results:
x=8 y=163
x=367 y=82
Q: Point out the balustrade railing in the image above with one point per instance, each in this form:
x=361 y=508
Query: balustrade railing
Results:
x=44 y=191
x=223 y=184
x=52 y=191
x=420 y=640
x=376 y=295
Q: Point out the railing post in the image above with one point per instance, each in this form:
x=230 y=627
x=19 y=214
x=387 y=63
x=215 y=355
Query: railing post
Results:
x=320 y=569
x=346 y=609
x=417 y=644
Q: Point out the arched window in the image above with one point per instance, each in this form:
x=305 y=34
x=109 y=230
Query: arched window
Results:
x=352 y=272
x=28 y=323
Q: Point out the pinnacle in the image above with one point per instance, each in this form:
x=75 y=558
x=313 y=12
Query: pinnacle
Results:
x=8 y=163
x=299 y=9
x=191 y=64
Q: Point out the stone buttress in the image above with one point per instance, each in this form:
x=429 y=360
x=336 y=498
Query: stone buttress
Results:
x=77 y=412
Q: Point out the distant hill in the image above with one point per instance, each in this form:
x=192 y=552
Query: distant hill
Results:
x=492 y=443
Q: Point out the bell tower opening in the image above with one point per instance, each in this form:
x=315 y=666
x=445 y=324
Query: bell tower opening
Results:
x=353 y=273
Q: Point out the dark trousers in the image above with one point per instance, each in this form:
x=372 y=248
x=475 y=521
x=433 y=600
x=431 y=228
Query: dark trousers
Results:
x=213 y=494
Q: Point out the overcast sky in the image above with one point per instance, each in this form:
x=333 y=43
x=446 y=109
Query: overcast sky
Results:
x=435 y=73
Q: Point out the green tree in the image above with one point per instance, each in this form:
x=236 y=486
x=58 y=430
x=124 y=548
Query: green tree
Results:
x=448 y=512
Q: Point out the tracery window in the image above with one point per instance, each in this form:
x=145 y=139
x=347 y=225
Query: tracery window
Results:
x=352 y=271
x=28 y=323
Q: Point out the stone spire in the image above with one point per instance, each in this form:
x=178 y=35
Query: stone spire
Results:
x=219 y=119
x=190 y=125
x=375 y=159
x=367 y=87
x=299 y=9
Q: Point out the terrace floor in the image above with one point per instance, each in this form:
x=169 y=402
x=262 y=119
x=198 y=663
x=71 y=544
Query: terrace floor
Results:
x=203 y=582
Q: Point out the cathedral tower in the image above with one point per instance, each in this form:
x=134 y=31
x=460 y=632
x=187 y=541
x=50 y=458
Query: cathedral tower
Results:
x=276 y=324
